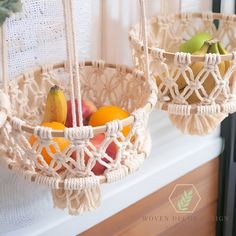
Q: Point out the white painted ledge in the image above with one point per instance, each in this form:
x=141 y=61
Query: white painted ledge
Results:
x=173 y=155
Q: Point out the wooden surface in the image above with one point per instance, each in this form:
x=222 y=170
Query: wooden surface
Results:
x=154 y=215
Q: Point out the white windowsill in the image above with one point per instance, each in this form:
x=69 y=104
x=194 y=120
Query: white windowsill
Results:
x=172 y=156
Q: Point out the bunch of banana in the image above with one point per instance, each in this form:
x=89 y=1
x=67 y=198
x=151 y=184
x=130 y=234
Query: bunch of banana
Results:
x=212 y=46
x=56 y=106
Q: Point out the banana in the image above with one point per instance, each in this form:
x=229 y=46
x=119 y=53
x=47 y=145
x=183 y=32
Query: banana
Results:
x=56 y=106
x=223 y=51
x=209 y=82
x=214 y=49
x=196 y=68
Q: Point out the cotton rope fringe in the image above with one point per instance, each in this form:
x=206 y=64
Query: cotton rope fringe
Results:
x=210 y=104
x=87 y=195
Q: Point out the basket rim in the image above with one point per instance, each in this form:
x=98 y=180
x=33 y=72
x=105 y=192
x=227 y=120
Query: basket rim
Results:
x=171 y=55
x=98 y=129
x=194 y=109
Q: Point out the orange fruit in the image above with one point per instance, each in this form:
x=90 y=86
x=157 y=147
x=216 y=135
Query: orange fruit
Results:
x=61 y=142
x=108 y=113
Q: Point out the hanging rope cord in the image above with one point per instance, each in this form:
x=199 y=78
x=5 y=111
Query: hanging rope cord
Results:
x=75 y=88
x=151 y=81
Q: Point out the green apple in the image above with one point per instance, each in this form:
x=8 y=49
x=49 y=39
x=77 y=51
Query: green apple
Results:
x=195 y=43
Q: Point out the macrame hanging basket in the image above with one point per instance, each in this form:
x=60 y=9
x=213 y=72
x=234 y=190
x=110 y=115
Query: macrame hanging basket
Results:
x=22 y=103
x=196 y=102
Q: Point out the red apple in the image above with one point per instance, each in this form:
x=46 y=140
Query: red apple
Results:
x=88 y=108
x=111 y=150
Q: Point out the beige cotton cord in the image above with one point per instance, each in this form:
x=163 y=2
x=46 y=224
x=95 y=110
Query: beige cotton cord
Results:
x=90 y=156
x=193 y=95
x=146 y=55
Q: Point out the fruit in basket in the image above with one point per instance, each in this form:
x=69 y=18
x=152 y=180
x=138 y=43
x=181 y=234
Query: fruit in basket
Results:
x=61 y=142
x=88 y=108
x=191 y=46
x=195 y=43
x=111 y=151
x=109 y=113
x=223 y=51
x=209 y=83
x=56 y=107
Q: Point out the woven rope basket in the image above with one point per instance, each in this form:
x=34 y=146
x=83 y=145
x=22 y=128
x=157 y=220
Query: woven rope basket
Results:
x=195 y=101
x=74 y=185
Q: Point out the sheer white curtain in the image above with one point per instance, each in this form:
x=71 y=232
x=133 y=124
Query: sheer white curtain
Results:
x=118 y=17
x=35 y=36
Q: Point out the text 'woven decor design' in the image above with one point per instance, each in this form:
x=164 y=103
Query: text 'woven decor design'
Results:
x=198 y=91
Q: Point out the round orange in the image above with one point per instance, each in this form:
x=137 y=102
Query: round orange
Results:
x=61 y=142
x=108 y=113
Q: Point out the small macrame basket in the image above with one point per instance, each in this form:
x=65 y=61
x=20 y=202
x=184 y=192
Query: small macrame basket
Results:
x=73 y=183
x=196 y=102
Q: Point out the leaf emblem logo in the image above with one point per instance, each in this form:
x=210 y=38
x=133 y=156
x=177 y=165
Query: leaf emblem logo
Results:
x=185 y=200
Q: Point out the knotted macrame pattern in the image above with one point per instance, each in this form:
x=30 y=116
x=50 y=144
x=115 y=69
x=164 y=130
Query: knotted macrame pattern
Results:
x=197 y=98
x=74 y=185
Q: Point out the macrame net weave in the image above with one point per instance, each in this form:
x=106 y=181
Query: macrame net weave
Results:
x=197 y=100
x=69 y=174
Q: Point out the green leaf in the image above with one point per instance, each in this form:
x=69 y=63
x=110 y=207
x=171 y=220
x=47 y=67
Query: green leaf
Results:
x=185 y=200
x=7 y=7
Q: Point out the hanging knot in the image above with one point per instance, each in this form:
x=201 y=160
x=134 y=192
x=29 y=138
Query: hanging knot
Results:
x=79 y=133
x=221 y=83
x=153 y=97
x=182 y=59
x=179 y=109
x=138 y=74
x=207 y=16
x=158 y=54
x=46 y=68
x=81 y=183
x=17 y=123
x=48 y=181
x=208 y=110
x=195 y=84
x=227 y=18
x=113 y=127
x=44 y=133
x=121 y=69
x=28 y=77
x=100 y=64
x=140 y=118
x=136 y=44
x=164 y=21
x=211 y=60
x=185 y=17
x=116 y=175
